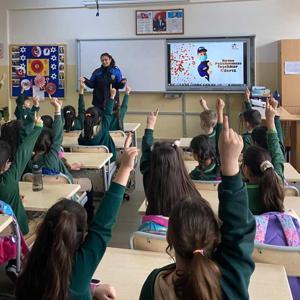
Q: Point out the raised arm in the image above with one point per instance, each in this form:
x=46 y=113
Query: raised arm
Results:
x=90 y=82
x=81 y=106
x=147 y=142
x=91 y=252
x=273 y=140
x=107 y=115
x=124 y=105
x=234 y=253
x=248 y=104
x=203 y=104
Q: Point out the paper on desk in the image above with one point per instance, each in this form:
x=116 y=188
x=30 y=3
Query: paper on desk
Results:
x=292 y=67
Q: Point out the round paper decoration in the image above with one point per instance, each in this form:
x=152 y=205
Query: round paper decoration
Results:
x=26 y=84
x=36 y=51
x=46 y=51
x=37 y=66
x=39 y=81
x=20 y=72
x=50 y=88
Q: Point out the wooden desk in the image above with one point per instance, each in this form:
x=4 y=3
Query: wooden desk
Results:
x=5 y=221
x=132 y=127
x=185 y=142
x=90 y=160
x=268 y=282
x=190 y=165
x=291 y=174
x=43 y=200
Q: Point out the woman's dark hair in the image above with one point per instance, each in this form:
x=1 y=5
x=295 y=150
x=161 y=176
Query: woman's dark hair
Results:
x=49 y=265
x=193 y=226
x=259 y=136
x=69 y=114
x=5 y=154
x=10 y=132
x=91 y=119
x=112 y=63
x=270 y=185
x=253 y=117
x=167 y=181
x=47 y=121
x=44 y=142
x=203 y=148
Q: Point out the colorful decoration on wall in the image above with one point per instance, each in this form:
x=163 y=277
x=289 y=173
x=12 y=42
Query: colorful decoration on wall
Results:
x=41 y=68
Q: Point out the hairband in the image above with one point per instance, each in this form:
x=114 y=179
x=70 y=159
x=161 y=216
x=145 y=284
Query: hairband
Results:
x=68 y=112
x=88 y=115
x=265 y=165
x=201 y=251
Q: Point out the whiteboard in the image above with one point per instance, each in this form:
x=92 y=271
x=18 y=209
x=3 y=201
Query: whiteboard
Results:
x=142 y=61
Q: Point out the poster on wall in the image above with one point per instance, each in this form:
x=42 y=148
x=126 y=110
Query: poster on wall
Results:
x=170 y=21
x=40 y=69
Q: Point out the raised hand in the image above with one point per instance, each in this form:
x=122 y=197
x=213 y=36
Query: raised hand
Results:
x=128 y=140
x=38 y=121
x=230 y=147
x=113 y=92
x=151 y=119
x=270 y=113
x=36 y=101
x=220 y=105
x=127 y=89
x=56 y=104
x=203 y=103
x=247 y=94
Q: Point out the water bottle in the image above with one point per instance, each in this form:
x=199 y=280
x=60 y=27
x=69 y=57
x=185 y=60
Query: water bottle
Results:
x=37 y=181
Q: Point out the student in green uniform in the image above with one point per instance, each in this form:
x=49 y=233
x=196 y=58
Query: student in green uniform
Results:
x=119 y=112
x=48 y=121
x=96 y=128
x=264 y=170
x=73 y=122
x=211 y=263
x=205 y=153
x=11 y=172
x=165 y=178
x=209 y=123
x=66 y=252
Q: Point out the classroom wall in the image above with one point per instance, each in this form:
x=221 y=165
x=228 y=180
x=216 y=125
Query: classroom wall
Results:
x=34 y=21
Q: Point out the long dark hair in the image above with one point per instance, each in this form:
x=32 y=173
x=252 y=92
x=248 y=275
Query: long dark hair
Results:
x=10 y=132
x=47 y=121
x=47 y=271
x=91 y=119
x=270 y=185
x=5 y=154
x=167 y=181
x=44 y=141
x=204 y=150
x=69 y=114
x=194 y=234
x=112 y=63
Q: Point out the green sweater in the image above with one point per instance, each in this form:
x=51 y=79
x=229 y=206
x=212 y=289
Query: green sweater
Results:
x=9 y=180
x=234 y=253
x=255 y=204
x=26 y=115
x=91 y=252
x=114 y=125
x=50 y=159
x=79 y=120
x=214 y=136
x=209 y=174
x=102 y=137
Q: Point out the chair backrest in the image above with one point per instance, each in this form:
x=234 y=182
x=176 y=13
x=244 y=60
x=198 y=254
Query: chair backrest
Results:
x=291 y=191
x=148 y=242
x=206 y=185
x=90 y=149
x=117 y=134
x=289 y=257
x=50 y=179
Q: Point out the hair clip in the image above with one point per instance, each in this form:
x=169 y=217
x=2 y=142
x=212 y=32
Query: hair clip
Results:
x=201 y=251
x=265 y=165
x=88 y=115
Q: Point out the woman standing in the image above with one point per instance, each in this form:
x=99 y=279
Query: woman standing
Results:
x=101 y=80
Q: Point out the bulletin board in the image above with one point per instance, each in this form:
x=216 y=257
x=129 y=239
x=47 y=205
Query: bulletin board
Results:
x=40 y=68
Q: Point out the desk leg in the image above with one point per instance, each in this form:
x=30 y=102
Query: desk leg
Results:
x=295 y=145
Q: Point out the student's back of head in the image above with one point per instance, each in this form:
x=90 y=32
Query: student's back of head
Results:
x=47 y=121
x=48 y=269
x=5 y=156
x=203 y=150
x=69 y=114
x=259 y=136
x=252 y=119
x=44 y=142
x=91 y=119
x=208 y=120
x=193 y=234
x=168 y=181
x=257 y=168
x=10 y=132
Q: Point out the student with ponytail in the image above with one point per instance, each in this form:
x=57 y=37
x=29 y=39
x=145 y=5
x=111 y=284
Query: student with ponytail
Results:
x=73 y=122
x=96 y=127
x=211 y=262
x=67 y=252
x=264 y=170
x=165 y=179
